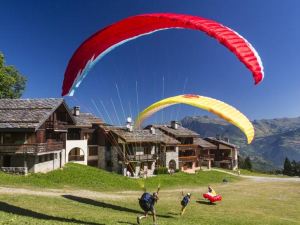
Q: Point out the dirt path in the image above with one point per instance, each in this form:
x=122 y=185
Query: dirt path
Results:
x=263 y=179
x=59 y=192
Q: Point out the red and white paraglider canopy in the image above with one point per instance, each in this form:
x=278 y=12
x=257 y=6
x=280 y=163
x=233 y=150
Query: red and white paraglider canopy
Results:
x=102 y=42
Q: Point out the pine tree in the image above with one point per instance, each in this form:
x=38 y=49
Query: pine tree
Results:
x=287 y=167
x=294 y=168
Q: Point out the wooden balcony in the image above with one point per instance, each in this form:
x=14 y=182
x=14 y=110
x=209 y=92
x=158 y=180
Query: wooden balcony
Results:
x=187 y=158
x=146 y=157
x=56 y=125
x=207 y=157
x=31 y=148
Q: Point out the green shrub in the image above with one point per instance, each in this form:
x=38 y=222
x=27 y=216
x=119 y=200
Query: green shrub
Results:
x=161 y=170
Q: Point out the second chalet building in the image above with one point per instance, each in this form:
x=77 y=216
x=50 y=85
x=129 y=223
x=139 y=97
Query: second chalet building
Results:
x=40 y=135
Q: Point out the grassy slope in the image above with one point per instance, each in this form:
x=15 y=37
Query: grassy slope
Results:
x=244 y=203
x=84 y=177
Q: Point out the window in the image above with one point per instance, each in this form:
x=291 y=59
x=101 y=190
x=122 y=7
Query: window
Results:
x=14 y=138
x=170 y=149
x=93 y=151
x=147 y=150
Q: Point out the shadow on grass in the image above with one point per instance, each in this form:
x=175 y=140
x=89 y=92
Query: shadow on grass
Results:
x=124 y=222
x=5 y=207
x=107 y=205
x=172 y=213
x=205 y=202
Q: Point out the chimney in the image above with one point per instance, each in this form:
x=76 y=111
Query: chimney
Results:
x=76 y=110
x=218 y=136
x=152 y=130
x=226 y=139
x=129 y=124
x=174 y=124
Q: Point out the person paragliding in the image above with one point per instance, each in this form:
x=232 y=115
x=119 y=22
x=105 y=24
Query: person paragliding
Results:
x=184 y=202
x=147 y=202
x=211 y=191
x=211 y=195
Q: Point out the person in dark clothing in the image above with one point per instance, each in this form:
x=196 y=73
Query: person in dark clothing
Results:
x=184 y=202
x=147 y=202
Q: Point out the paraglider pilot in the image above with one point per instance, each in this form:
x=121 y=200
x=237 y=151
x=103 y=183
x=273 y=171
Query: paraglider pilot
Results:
x=147 y=202
x=184 y=202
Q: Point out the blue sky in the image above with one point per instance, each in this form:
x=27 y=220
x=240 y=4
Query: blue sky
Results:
x=39 y=37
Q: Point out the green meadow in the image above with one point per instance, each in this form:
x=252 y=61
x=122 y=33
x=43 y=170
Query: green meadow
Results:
x=114 y=199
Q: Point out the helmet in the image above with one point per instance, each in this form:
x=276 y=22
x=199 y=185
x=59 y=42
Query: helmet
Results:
x=189 y=194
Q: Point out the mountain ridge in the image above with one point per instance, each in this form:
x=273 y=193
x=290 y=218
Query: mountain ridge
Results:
x=274 y=140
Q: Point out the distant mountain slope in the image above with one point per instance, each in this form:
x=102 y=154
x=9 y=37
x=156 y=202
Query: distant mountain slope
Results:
x=275 y=139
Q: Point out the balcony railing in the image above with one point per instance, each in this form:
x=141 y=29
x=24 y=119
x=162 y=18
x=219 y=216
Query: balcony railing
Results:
x=207 y=157
x=55 y=125
x=15 y=170
x=187 y=158
x=31 y=148
x=76 y=157
x=147 y=157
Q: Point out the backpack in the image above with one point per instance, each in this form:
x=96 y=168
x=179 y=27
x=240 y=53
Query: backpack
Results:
x=146 y=201
x=147 y=197
x=185 y=200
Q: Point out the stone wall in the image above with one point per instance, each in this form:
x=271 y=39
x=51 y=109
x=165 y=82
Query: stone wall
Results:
x=101 y=157
x=116 y=167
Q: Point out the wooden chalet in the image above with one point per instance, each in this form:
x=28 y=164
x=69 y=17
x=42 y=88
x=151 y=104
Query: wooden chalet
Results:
x=190 y=145
x=133 y=152
x=225 y=155
x=33 y=134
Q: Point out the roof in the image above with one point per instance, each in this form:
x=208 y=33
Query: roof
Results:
x=215 y=140
x=204 y=144
x=179 y=132
x=26 y=113
x=141 y=135
x=87 y=120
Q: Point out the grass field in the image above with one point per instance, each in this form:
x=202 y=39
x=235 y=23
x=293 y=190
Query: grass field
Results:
x=84 y=177
x=244 y=202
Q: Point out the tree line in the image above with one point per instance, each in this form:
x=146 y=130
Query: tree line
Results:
x=291 y=168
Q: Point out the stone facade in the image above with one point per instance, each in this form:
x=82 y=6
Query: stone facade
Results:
x=169 y=156
x=101 y=157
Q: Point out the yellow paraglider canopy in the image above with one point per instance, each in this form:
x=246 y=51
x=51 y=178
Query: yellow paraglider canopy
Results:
x=219 y=108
